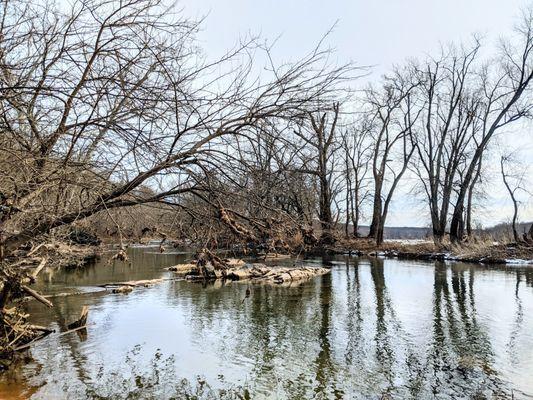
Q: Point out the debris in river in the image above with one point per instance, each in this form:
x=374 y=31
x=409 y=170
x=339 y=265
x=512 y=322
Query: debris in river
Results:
x=234 y=262
x=182 y=268
x=36 y=296
x=122 y=289
x=239 y=271
x=81 y=321
x=58 y=254
x=207 y=266
x=120 y=256
x=276 y=275
x=247 y=294
x=276 y=256
x=18 y=334
x=126 y=287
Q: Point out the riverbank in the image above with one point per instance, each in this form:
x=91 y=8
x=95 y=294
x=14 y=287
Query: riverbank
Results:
x=58 y=254
x=17 y=274
x=476 y=252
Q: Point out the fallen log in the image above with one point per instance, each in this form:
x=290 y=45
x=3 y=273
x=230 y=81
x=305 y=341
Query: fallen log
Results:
x=143 y=282
x=234 y=262
x=77 y=293
x=275 y=256
x=206 y=267
x=66 y=294
x=41 y=328
x=26 y=345
x=36 y=296
x=80 y=328
x=40 y=267
x=182 y=268
x=45 y=333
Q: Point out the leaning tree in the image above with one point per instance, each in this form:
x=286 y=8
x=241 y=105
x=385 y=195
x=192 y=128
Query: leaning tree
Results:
x=108 y=104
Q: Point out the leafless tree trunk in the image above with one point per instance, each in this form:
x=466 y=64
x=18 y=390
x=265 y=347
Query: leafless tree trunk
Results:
x=393 y=116
x=323 y=140
x=357 y=147
x=512 y=192
x=448 y=128
x=470 y=200
x=514 y=182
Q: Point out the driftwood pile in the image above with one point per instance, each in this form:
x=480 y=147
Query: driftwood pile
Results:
x=15 y=330
x=58 y=254
x=275 y=275
x=209 y=267
x=17 y=274
x=16 y=333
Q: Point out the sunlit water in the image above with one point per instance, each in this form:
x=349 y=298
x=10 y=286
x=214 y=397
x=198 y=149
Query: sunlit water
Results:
x=372 y=329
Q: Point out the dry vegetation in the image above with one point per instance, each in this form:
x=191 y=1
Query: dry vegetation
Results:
x=485 y=251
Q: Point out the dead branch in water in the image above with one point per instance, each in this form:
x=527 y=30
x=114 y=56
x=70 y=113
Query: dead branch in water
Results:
x=39 y=268
x=81 y=321
x=40 y=298
x=15 y=331
x=143 y=282
x=121 y=255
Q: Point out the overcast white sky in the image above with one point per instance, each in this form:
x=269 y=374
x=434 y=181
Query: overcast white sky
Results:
x=370 y=32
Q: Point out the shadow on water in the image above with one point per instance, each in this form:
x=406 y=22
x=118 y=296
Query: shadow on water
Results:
x=373 y=328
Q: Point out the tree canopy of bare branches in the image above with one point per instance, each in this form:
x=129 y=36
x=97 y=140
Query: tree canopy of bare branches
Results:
x=107 y=104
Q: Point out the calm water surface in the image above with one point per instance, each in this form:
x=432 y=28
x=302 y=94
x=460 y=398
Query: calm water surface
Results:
x=372 y=329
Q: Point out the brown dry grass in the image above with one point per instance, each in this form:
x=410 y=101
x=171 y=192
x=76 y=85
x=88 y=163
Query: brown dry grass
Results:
x=477 y=249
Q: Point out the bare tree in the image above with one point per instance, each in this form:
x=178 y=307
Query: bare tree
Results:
x=447 y=130
x=357 y=146
x=393 y=115
x=505 y=90
x=514 y=182
x=319 y=134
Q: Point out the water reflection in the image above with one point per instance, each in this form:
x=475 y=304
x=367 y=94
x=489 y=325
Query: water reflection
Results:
x=373 y=328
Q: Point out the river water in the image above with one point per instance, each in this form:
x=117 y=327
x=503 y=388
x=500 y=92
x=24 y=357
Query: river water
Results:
x=371 y=329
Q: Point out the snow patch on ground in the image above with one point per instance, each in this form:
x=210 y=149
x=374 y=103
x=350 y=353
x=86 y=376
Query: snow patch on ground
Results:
x=408 y=241
x=518 y=261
